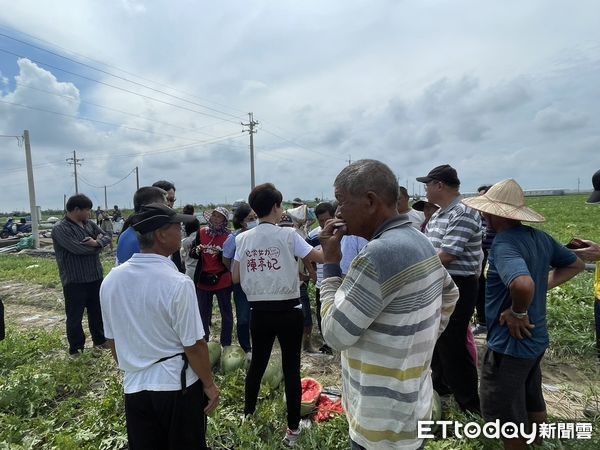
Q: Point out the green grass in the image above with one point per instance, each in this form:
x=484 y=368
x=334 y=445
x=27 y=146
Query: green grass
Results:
x=48 y=401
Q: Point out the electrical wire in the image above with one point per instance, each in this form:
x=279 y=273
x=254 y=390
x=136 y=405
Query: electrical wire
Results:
x=96 y=121
x=108 y=185
x=79 y=100
x=117 y=76
x=117 y=87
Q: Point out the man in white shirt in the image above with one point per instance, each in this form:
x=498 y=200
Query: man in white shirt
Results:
x=155 y=333
x=416 y=217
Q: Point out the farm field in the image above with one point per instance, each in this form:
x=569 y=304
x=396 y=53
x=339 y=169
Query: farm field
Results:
x=48 y=400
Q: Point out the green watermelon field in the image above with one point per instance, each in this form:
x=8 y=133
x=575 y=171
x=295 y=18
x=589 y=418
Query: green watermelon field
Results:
x=50 y=401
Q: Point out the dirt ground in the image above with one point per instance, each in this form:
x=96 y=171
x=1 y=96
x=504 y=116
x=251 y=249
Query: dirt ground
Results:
x=569 y=386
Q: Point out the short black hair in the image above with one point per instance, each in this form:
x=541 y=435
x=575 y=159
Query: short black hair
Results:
x=402 y=192
x=263 y=197
x=484 y=187
x=165 y=185
x=79 y=201
x=146 y=195
x=192 y=227
x=324 y=207
x=188 y=209
x=240 y=213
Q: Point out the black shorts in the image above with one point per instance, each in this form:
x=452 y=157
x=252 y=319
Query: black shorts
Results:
x=510 y=387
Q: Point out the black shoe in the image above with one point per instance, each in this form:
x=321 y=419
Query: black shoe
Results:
x=326 y=349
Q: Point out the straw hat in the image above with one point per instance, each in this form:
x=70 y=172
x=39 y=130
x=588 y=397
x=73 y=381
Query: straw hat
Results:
x=505 y=199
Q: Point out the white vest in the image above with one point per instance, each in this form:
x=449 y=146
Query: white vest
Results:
x=268 y=267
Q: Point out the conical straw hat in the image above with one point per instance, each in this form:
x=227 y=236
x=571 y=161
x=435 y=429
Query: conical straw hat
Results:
x=505 y=199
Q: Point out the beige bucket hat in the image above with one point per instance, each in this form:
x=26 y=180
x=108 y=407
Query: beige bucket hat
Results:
x=505 y=199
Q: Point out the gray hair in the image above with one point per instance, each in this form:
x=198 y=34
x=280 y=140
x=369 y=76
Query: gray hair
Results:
x=367 y=175
x=147 y=240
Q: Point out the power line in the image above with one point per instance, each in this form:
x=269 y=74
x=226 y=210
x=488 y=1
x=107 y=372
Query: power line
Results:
x=96 y=121
x=52 y=44
x=75 y=99
x=117 y=87
x=295 y=143
x=118 y=76
x=107 y=185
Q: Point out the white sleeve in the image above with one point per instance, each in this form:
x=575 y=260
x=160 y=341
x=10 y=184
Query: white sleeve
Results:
x=185 y=314
x=105 y=308
x=301 y=247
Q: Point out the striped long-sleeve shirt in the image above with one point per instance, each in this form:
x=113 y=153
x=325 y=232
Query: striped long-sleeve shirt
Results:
x=385 y=317
x=456 y=230
x=78 y=263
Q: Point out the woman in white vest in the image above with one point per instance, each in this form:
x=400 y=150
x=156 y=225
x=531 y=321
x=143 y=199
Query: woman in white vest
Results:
x=266 y=267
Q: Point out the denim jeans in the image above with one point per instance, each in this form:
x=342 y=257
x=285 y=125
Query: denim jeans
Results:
x=242 y=317
x=205 y=302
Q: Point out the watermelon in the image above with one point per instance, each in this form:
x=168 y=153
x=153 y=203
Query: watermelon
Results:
x=214 y=352
x=232 y=359
x=273 y=374
x=311 y=390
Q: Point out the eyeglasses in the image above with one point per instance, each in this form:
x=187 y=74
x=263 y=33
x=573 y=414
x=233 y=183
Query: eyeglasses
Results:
x=431 y=183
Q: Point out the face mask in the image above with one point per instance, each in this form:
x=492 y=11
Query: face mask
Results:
x=252 y=224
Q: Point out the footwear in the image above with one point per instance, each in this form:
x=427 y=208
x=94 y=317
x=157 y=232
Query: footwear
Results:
x=479 y=329
x=291 y=436
x=249 y=357
x=103 y=346
x=326 y=349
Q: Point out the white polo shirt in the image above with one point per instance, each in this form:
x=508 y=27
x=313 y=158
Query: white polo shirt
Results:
x=151 y=312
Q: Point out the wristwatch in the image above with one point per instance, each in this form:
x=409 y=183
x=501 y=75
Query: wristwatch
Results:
x=517 y=315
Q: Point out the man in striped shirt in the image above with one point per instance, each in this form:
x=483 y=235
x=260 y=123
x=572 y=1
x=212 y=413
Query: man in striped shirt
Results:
x=386 y=314
x=78 y=243
x=455 y=232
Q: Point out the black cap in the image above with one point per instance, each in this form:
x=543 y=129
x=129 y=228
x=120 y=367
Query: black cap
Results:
x=297 y=201
x=595 y=197
x=155 y=215
x=445 y=173
x=420 y=205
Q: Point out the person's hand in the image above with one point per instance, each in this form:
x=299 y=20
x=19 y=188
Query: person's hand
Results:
x=591 y=253
x=330 y=239
x=214 y=396
x=90 y=242
x=519 y=328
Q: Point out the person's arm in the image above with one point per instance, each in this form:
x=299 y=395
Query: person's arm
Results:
x=522 y=290
x=446 y=258
x=226 y=262
x=63 y=236
x=343 y=319
x=460 y=229
x=591 y=253
x=558 y=276
x=199 y=361
x=235 y=272
x=113 y=349
x=101 y=239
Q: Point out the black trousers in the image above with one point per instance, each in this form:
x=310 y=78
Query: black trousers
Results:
x=80 y=296
x=453 y=369
x=2 y=330
x=287 y=326
x=166 y=419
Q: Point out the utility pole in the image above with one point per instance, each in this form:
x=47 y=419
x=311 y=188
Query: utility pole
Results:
x=33 y=209
x=105 y=200
x=349 y=159
x=75 y=162
x=251 y=124
x=137 y=177
x=578 y=182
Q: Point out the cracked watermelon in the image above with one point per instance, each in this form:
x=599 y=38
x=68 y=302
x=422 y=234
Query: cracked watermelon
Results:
x=232 y=359
x=311 y=391
x=214 y=352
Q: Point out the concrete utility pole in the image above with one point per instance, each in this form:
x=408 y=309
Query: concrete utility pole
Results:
x=32 y=207
x=349 y=159
x=105 y=201
x=137 y=178
x=75 y=162
x=251 y=124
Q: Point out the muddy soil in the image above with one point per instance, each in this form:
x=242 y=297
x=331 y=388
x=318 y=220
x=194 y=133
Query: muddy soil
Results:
x=569 y=386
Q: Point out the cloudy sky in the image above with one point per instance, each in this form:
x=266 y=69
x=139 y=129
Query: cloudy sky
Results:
x=497 y=89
